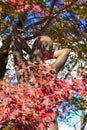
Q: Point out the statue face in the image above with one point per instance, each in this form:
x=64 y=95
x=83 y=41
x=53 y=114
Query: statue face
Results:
x=46 y=44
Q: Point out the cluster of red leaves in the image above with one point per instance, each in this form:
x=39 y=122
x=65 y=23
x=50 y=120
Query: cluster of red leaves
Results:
x=34 y=104
x=26 y=6
x=82 y=72
x=20 y=5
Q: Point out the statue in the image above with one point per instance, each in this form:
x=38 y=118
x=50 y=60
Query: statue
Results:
x=42 y=50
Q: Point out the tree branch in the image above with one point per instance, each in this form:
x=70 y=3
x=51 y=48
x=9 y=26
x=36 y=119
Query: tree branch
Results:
x=24 y=45
x=51 y=17
x=52 y=5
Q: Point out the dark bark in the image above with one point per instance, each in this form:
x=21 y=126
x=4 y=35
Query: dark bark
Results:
x=4 y=50
x=24 y=45
x=83 y=120
x=3 y=63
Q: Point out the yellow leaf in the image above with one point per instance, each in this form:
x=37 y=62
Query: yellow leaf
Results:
x=37 y=95
x=0 y=9
x=85 y=34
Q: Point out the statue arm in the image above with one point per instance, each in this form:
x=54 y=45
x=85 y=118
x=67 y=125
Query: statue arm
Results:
x=61 y=57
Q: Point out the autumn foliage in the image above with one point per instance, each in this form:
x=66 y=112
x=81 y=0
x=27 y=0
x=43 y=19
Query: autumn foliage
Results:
x=26 y=6
x=33 y=105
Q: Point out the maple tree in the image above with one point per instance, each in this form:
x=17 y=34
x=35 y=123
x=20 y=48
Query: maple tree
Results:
x=33 y=105
x=64 y=21
x=21 y=21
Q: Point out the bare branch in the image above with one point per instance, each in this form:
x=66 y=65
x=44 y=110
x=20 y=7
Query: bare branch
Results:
x=52 y=6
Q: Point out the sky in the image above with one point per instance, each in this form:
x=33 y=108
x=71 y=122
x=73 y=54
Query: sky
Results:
x=0 y=42
x=63 y=126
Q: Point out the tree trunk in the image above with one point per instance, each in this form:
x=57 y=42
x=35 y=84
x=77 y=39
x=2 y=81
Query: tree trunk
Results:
x=3 y=63
x=4 y=51
x=83 y=122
